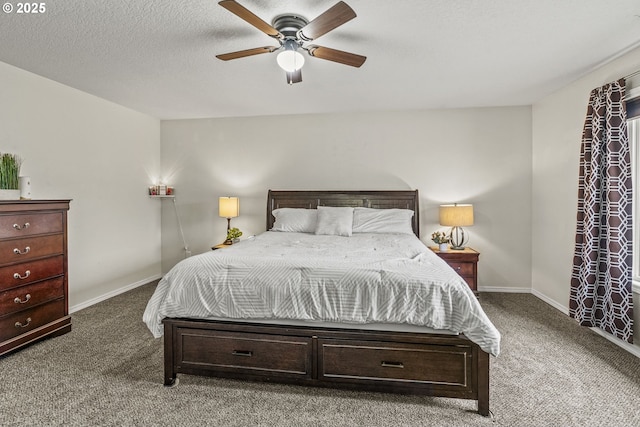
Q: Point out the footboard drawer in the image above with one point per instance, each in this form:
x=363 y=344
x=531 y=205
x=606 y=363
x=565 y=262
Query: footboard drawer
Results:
x=445 y=367
x=239 y=352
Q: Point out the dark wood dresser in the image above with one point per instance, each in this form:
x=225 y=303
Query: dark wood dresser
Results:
x=33 y=271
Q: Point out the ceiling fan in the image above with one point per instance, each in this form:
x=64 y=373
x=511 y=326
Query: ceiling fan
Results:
x=292 y=33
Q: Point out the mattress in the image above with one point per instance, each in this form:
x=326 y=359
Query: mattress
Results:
x=364 y=279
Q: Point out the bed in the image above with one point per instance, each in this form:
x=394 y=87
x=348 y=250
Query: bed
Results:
x=215 y=324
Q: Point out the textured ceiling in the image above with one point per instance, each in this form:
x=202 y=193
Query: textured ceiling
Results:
x=158 y=56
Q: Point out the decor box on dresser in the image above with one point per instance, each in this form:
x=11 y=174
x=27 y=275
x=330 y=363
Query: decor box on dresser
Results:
x=33 y=271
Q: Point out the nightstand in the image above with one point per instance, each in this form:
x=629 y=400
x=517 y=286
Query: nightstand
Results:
x=464 y=262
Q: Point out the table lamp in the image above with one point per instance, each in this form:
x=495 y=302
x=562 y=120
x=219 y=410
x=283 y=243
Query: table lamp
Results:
x=457 y=216
x=228 y=207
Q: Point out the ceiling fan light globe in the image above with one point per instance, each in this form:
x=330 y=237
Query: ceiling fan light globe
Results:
x=290 y=60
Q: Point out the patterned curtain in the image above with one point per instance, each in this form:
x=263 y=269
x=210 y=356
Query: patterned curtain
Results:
x=601 y=276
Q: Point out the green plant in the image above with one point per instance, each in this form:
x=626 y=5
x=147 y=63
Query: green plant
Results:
x=233 y=233
x=439 y=237
x=9 y=171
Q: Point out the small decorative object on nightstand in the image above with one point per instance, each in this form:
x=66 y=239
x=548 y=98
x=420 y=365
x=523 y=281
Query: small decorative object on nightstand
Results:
x=233 y=236
x=442 y=240
x=464 y=262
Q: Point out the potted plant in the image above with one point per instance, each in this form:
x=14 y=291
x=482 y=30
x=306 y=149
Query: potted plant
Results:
x=9 y=173
x=233 y=235
x=441 y=239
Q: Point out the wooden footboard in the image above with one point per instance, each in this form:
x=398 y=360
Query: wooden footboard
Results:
x=435 y=365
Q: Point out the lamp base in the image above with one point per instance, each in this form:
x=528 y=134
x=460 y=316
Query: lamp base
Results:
x=458 y=238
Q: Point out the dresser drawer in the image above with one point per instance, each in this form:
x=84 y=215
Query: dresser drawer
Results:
x=24 y=321
x=30 y=295
x=462 y=268
x=18 y=250
x=249 y=353
x=30 y=271
x=394 y=363
x=22 y=225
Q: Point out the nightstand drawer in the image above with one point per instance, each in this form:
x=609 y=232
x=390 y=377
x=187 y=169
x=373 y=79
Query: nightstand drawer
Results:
x=28 y=296
x=464 y=262
x=30 y=271
x=462 y=268
x=30 y=224
x=27 y=320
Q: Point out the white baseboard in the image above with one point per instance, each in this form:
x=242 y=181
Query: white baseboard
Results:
x=633 y=349
x=553 y=303
x=509 y=290
x=113 y=293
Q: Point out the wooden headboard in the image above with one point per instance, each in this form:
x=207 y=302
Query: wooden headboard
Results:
x=401 y=199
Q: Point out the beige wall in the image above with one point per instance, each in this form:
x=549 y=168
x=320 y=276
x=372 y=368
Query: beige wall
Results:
x=557 y=128
x=481 y=156
x=99 y=154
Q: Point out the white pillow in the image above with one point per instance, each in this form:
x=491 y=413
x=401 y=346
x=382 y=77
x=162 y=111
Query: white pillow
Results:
x=336 y=221
x=397 y=221
x=296 y=220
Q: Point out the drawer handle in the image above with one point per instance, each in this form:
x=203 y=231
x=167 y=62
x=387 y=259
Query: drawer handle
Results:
x=18 y=276
x=392 y=365
x=243 y=353
x=19 y=252
x=20 y=325
x=27 y=297
x=24 y=226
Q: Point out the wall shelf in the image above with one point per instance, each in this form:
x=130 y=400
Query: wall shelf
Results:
x=162 y=197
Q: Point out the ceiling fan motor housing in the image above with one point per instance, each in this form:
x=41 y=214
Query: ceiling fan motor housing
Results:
x=289 y=25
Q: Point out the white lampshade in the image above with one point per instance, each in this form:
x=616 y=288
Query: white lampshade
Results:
x=456 y=215
x=290 y=60
x=228 y=207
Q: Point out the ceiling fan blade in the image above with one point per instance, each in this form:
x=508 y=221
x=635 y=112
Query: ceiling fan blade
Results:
x=294 y=76
x=336 y=55
x=330 y=19
x=248 y=52
x=245 y=14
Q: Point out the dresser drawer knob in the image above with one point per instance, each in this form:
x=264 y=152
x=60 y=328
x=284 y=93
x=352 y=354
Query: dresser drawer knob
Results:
x=18 y=276
x=392 y=365
x=20 y=325
x=244 y=353
x=19 y=252
x=27 y=297
x=24 y=226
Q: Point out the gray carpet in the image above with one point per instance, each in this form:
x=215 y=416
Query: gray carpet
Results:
x=109 y=370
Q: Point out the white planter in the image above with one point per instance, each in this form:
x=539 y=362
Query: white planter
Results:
x=443 y=247
x=9 y=194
